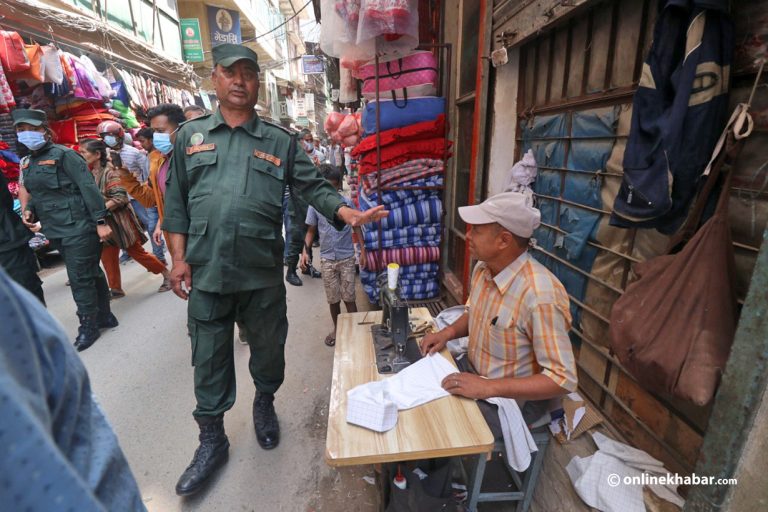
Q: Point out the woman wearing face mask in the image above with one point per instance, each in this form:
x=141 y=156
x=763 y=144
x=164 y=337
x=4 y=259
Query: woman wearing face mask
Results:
x=127 y=232
x=164 y=120
x=59 y=191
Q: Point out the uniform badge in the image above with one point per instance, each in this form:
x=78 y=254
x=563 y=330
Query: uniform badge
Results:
x=46 y=162
x=196 y=139
x=266 y=156
x=191 y=150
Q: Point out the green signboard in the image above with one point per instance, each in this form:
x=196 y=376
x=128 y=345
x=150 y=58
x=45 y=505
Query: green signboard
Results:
x=190 y=40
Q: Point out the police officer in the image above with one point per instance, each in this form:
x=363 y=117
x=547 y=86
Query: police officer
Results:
x=16 y=257
x=223 y=214
x=59 y=190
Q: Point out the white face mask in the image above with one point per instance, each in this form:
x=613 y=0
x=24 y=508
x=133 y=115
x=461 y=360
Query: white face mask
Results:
x=307 y=146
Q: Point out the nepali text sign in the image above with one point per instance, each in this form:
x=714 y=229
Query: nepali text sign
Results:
x=312 y=65
x=224 y=26
x=191 y=40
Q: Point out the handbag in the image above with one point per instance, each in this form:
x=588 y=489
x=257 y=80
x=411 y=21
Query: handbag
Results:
x=673 y=327
x=414 y=76
x=34 y=72
x=12 y=55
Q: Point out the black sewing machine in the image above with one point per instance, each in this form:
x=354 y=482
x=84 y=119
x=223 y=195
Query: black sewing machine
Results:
x=395 y=348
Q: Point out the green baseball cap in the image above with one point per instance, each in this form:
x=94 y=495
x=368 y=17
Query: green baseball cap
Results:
x=29 y=116
x=227 y=54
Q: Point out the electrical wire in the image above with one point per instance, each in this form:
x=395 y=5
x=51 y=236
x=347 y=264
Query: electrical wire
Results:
x=109 y=34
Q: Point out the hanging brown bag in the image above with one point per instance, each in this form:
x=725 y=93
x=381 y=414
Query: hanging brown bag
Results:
x=673 y=327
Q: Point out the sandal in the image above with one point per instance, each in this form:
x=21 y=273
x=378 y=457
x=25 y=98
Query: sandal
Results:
x=166 y=286
x=330 y=340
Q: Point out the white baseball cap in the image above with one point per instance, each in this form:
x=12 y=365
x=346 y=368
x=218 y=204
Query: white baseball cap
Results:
x=510 y=209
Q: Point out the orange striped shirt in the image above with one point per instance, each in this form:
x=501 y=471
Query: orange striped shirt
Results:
x=519 y=322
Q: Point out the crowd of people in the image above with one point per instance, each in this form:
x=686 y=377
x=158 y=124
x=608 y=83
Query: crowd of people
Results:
x=226 y=263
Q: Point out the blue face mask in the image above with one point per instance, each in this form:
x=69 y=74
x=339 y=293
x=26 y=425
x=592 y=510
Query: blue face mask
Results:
x=162 y=142
x=33 y=140
x=110 y=140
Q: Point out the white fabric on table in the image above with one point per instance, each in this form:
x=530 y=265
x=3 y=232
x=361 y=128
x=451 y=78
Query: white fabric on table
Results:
x=371 y=405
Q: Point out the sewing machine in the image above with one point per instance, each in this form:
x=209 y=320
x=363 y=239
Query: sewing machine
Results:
x=395 y=348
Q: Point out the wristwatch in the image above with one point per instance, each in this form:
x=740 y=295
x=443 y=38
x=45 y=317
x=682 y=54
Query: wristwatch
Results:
x=101 y=222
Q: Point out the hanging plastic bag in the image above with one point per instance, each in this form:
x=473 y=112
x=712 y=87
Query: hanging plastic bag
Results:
x=52 y=71
x=347 y=86
x=338 y=32
x=393 y=25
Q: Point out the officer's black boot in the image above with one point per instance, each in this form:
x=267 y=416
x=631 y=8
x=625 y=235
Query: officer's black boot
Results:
x=314 y=272
x=265 y=420
x=106 y=320
x=209 y=456
x=291 y=277
x=88 y=332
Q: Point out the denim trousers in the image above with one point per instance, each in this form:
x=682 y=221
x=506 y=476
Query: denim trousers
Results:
x=149 y=217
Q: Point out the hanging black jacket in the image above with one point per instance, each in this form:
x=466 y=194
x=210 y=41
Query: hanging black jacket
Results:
x=679 y=111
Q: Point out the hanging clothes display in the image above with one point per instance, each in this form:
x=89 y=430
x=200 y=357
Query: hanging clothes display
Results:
x=73 y=92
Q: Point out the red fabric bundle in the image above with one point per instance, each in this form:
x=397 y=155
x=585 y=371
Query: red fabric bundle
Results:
x=424 y=130
x=397 y=154
x=65 y=131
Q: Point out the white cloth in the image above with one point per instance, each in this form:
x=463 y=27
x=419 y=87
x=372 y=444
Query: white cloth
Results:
x=599 y=479
x=518 y=441
x=370 y=405
x=446 y=318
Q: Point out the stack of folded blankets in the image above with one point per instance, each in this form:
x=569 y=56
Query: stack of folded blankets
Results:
x=413 y=152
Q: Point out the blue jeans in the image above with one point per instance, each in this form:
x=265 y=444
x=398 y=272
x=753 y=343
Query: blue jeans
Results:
x=149 y=217
x=286 y=225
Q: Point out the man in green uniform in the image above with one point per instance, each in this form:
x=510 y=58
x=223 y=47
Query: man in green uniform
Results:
x=59 y=190
x=223 y=214
x=16 y=257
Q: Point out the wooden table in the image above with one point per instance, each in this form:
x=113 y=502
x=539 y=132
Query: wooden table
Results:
x=447 y=427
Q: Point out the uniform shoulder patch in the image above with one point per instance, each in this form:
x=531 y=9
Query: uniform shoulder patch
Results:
x=204 y=116
x=274 y=125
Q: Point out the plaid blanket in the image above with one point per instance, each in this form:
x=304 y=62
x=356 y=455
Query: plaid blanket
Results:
x=398 y=198
x=410 y=289
x=426 y=235
x=404 y=256
x=403 y=174
x=427 y=211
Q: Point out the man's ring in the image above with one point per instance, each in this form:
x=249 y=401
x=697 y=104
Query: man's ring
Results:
x=455 y=383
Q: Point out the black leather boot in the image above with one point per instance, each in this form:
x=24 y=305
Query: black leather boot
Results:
x=291 y=277
x=265 y=420
x=88 y=332
x=105 y=319
x=209 y=456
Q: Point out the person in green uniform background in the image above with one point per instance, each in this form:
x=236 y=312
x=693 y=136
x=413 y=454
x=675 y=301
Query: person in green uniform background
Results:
x=16 y=257
x=223 y=213
x=59 y=191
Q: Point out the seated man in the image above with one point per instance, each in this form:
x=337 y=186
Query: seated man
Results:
x=517 y=316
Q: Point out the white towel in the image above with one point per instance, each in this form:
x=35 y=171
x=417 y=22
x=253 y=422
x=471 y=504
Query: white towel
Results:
x=518 y=441
x=371 y=405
